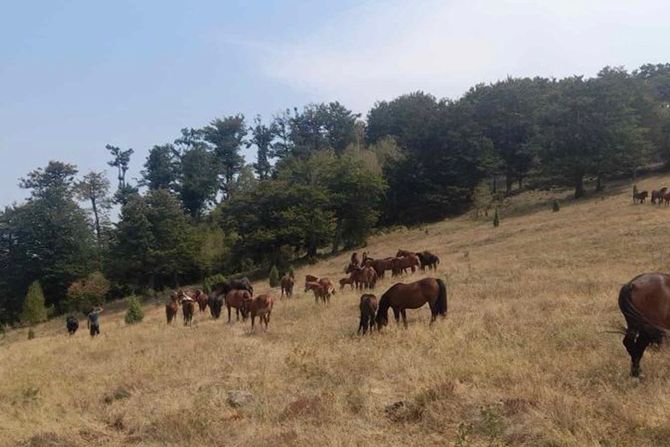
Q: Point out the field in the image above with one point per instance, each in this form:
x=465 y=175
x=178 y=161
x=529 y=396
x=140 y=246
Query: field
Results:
x=526 y=355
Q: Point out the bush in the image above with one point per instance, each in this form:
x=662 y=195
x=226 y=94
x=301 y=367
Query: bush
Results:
x=496 y=219
x=556 y=207
x=274 y=276
x=135 y=314
x=31 y=334
x=211 y=281
x=34 y=311
x=88 y=293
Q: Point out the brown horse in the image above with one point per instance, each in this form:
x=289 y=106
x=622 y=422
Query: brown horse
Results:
x=368 y=308
x=201 y=298
x=427 y=259
x=640 y=196
x=324 y=282
x=355 y=260
x=657 y=195
x=260 y=306
x=187 y=307
x=320 y=292
x=235 y=298
x=172 y=307
x=380 y=265
x=403 y=253
x=348 y=280
x=645 y=304
x=286 y=284
x=412 y=296
x=400 y=265
x=215 y=303
x=362 y=277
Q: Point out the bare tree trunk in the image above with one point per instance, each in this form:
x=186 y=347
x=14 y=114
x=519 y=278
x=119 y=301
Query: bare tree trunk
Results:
x=579 y=185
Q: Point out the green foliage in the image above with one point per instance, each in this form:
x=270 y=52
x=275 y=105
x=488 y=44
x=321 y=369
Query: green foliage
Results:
x=94 y=188
x=555 y=206
x=496 y=218
x=226 y=136
x=211 y=281
x=273 y=277
x=161 y=169
x=87 y=293
x=198 y=181
x=135 y=313
x=34 y=311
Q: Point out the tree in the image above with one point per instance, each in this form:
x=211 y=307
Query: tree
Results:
x=34 y=311
x=161 y=170
x=121 y=161
x=94 y=187
x=87 y=293
x=227 y=137
x=273 y=277
x=135 y=313
x=262 y=136
x=198 y=182
x=283 y=146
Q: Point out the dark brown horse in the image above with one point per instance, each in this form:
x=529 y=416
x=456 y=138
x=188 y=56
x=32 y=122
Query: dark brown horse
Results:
x=215 y=303
x=380 y=265
x=172 y=307
x=412 y=296
x=427 y=259
x=400 y=265
x=640 y=196
x=260 y=306
x=403 y=253
x=286 y=284
x=235 y=298
x=368 y=308
x=657 y=195
x=187 y=307
x=320 y=292
x=355 y=260
x=645 y=304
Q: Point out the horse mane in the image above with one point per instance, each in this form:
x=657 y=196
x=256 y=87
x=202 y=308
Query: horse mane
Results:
x=635 y=318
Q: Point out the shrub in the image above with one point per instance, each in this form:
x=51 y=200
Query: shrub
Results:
x=88 y=293
x=211 y=281
x=556 y=207
x=34 y=311
x=31 y=334
x=135 y=314
x=496 y=218
x=274 y=276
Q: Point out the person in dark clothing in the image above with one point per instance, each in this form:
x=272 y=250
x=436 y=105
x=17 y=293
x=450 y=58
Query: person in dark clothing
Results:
x=94 y=321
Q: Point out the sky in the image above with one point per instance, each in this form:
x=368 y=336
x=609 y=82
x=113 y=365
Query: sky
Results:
x=77 y=75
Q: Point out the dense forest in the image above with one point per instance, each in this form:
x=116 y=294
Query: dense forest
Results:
x=323 y=180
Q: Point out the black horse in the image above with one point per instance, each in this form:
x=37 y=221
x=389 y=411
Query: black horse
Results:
x=72 y=324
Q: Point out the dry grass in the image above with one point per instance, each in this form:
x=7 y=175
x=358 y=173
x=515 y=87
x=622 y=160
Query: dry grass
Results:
x=522 y=359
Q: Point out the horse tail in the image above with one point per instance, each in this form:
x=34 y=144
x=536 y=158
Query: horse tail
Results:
x=634 y=318
x=441 y=304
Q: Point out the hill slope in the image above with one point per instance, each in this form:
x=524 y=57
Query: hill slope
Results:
x=523 y=358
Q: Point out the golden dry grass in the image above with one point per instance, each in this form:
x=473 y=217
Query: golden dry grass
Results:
x=523 y=358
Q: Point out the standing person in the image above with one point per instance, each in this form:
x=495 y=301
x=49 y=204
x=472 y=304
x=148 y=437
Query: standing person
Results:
x=93 y=322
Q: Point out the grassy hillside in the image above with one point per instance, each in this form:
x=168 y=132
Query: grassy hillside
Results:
x=523 y=358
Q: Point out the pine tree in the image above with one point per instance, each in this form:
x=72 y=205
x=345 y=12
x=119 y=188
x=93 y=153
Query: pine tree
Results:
x=555 y=207
x=135 y=314
x=34 y=310
x=274 y=276
x=496 y=218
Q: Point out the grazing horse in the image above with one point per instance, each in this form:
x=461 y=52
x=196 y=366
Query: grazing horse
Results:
x=260 y=306
x=187 y=307
x=242 y=284
x=645 y=304
x=172 y=307
x=427 y=259
x=286 y=284
x=201 y=298
x=412 y=296
x=380 y=265
x=324 y=282
x=403 y=253
x=657 y=195
x=72 y=324
x=640 y=196
x=215 y=303
x=400 y=265
x=368 y=308
x=320 y=292
x=235 y=298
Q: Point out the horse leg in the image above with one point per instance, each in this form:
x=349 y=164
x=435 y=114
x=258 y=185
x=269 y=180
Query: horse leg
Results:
x=396 y=315
x=404 y=317
x=640 y=346
x=228 y=313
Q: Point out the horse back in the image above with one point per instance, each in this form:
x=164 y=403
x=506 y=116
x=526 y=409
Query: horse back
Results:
x=650 y=295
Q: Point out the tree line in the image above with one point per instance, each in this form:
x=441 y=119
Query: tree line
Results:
x=323 y=180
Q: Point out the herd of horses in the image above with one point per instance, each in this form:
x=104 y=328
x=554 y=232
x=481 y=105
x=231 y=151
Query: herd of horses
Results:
x=658 y=196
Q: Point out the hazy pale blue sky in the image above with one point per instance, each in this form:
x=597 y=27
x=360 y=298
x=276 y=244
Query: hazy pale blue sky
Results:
x=76 y=75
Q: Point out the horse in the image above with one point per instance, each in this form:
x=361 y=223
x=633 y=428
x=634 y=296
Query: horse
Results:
x=320 y=292
x=215 y=303
x=657 y=196
x=640 y=196
x=347 y=280
x=355 y=260
x=242 y=284
x=235 y=298
x=400 y=265
x=72 y=324
x=368 y=308
x=412 y=296
x=403 y=253
x=427 y=259
x=380 y=265
x=172 y=307
x=286 y=284
x=645 y=304
x=260 y=306
x=324 y=282
x=187 y=307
